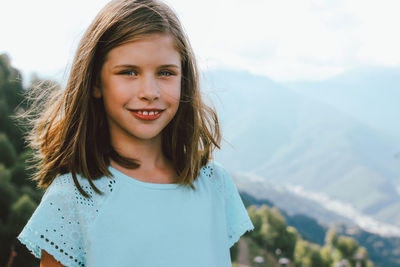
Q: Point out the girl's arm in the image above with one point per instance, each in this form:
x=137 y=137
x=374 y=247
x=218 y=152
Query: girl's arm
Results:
x=48 y=260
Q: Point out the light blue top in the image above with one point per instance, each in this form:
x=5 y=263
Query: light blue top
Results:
x=139 y=224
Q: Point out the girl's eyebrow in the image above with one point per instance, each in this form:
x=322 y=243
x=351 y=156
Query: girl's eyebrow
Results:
x=137 y=67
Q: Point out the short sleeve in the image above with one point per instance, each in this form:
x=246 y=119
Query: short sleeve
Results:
x=55 y=226
x=238 y=220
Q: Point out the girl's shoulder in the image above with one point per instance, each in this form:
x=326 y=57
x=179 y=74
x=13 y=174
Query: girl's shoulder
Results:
x=63 y=193
x=213 y=168
x=217 y=175
x=63 y=218
x=64 y=185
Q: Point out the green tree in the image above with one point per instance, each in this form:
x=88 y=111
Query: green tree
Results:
x=20 y=174
x=301 y=252
x=8 y=193
x=271 y=232
x=316 y=258
x=13 y=92
x=11 y=100
x=21 y=211
x=326 y=255
x=331 y=238
x=343 y=248
x=8 y=154
x=257 y=220
x=4 y=119
x=347 y=246
x=289 y=241
x=309 y=255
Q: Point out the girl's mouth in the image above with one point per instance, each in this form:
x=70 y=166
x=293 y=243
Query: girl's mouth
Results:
x=146 y=115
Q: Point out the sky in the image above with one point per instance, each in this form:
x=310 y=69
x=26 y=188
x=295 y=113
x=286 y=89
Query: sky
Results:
x=286 y=40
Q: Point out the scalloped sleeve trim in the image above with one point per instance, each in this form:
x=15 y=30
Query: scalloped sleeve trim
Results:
x=237 y=218
x=35 y=243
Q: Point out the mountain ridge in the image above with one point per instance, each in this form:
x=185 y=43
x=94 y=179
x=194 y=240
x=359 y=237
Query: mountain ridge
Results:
x=288 y=138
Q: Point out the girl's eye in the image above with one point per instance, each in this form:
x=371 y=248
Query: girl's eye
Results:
x=165 y=73
x=128 y=72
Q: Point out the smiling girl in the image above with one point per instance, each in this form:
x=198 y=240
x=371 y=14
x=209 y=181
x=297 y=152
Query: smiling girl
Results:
x=125 y=153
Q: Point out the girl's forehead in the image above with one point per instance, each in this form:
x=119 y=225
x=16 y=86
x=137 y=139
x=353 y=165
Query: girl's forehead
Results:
x=156 y=46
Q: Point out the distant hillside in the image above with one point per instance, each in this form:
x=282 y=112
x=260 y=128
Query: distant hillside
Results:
x=259 y=192
x=369 y=95
x=276 y=243
x=383 y=251
x=288 y=138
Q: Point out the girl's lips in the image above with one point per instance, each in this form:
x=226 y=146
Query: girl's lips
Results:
x=146 y=117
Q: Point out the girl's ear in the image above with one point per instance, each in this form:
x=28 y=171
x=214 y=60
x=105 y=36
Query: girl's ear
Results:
x=96 y=92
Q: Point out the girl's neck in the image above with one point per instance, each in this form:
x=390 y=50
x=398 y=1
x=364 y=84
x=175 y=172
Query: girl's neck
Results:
x=154 y=167
x=148 y=152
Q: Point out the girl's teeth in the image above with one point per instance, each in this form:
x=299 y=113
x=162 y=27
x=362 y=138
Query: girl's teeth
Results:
x=148 y=113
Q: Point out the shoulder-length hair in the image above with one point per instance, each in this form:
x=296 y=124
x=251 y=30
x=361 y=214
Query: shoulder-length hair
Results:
x=71 y=133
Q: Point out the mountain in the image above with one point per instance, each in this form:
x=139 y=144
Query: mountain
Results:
x=258 y=192
x=371 y=95
x=291 y=139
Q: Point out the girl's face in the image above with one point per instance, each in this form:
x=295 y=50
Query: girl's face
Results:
x=141 y=87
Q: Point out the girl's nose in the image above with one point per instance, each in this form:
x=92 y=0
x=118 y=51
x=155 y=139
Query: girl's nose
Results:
x=149 y=89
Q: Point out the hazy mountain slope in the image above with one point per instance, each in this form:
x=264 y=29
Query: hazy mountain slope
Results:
x=285 y=137
x=259 y=190
x=369 y=95
x=241 y=107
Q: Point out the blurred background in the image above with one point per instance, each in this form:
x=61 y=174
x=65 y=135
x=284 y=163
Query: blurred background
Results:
x=308 y=96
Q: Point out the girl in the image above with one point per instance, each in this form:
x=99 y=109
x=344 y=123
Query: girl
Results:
x=124 y=153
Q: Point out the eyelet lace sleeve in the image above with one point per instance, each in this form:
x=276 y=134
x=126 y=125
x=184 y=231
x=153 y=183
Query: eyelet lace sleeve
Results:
x=238 y=220
x=60 y=222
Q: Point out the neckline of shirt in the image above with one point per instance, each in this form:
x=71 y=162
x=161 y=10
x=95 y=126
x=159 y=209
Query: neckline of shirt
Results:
x=132 y=180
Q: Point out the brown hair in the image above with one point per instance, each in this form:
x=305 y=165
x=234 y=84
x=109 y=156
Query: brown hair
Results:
x=71 y=134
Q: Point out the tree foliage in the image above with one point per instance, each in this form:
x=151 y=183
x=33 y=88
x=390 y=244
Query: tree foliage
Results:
x=21 y=211
x=271 y=231
x=272 y=234
x=8 y=154
x=8 y=193
x=18 y=196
